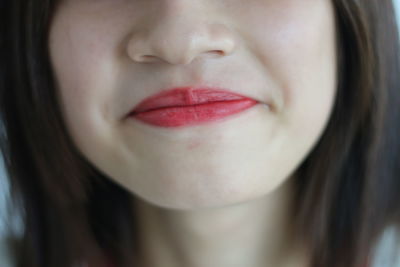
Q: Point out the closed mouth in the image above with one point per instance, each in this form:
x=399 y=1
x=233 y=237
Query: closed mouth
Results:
x=188 y=106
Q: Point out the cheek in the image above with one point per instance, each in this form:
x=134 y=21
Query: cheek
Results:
x=296 y=47
x=81 y=58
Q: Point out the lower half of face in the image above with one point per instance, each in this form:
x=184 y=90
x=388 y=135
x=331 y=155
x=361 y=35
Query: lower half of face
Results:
x=282 y=49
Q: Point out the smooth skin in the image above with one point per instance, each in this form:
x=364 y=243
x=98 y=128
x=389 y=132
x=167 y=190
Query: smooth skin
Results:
x=217 y=194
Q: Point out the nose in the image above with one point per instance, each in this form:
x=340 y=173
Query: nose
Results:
x=179 y=35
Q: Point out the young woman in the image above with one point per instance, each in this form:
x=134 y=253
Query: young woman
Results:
x=246 y=133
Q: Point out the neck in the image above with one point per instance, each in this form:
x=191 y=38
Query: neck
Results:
x=257 y=233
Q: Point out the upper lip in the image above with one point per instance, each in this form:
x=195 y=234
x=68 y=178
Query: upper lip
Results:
x=186 y=96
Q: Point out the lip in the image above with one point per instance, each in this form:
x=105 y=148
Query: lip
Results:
x=187 y=106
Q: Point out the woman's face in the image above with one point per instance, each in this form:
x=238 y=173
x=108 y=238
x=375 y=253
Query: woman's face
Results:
x=109 y=55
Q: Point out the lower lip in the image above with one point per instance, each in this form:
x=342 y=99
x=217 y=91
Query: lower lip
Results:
x=194 y=115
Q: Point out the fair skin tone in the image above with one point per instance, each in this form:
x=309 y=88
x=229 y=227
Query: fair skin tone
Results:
x=216 y=194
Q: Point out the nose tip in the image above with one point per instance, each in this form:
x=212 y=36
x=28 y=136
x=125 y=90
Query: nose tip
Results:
x=181 y=44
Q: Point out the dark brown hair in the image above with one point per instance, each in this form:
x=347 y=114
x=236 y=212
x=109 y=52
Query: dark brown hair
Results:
x=348 y=189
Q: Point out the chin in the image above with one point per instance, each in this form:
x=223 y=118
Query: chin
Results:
x=213 y=195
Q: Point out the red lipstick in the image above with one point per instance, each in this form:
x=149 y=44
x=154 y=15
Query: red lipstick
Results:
x=190 y=106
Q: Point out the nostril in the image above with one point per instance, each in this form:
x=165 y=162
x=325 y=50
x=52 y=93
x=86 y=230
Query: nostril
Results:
x=146 y=58
x=217 y=52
